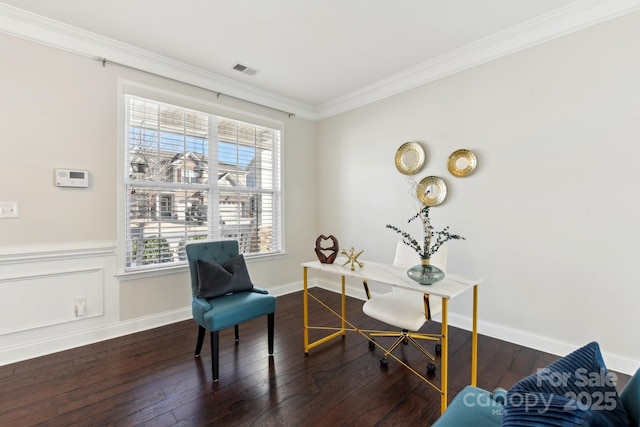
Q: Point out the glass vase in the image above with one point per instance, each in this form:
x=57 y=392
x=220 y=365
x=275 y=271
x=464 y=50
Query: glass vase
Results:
x=425 y=273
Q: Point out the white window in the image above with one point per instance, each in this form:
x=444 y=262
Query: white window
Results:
x=196 y=175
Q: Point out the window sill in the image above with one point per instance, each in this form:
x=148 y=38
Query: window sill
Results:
x=152 y=272
x=184 y=268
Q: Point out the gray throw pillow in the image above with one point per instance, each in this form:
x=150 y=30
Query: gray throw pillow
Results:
x=240 y=282
x=215 y=280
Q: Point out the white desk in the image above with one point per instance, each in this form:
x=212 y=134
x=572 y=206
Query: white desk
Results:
x=450 y=287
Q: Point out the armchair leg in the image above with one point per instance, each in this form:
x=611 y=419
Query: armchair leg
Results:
x=270 y=327
x=237 y=334
x=215 y=346
x=201 y=334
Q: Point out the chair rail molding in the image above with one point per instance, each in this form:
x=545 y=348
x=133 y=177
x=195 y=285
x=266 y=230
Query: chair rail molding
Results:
x=57 y=251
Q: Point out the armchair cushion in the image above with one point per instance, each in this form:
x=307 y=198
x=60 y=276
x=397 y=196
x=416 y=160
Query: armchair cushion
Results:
x=236 y=308
x=574 y=390
x=215 y=280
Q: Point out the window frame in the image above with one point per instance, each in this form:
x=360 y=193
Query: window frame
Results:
x=191 y=103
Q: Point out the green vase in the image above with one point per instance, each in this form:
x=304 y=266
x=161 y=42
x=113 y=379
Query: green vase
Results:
x=425 y=273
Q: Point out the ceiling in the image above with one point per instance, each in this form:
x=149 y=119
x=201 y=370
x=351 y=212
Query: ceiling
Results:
x=311 y=54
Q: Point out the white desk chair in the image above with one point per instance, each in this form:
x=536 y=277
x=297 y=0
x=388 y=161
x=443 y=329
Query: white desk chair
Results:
x=404 y=309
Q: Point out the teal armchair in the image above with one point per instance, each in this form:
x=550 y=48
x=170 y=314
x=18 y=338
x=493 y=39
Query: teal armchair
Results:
x=223 y=295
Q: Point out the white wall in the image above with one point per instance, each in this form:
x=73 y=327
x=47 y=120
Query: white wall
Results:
x=550 y=214
x=59 y=110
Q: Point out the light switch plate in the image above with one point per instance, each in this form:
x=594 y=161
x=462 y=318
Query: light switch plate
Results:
x=9 y=210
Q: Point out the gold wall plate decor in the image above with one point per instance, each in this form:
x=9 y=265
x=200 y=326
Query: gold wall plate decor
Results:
x=410 y=158
x=462 y=163
x=432 y=191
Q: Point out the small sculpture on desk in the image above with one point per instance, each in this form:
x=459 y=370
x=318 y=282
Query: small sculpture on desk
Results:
x=352 y=258
x=327 y=255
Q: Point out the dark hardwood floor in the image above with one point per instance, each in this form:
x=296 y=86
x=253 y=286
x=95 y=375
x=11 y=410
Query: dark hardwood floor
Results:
x=152 y=379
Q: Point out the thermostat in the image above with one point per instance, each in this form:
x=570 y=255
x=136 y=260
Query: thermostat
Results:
x=71 y=178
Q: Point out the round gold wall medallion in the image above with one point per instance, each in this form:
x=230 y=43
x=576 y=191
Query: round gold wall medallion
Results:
x=410 y=158
x=432 y=191
x=462 y=163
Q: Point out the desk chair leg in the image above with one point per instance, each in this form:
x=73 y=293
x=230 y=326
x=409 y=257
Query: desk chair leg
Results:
x=237 y=334
x=201 y=333
x=215 y=346
x=270 y=327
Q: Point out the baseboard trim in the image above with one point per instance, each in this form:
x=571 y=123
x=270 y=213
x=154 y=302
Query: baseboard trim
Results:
x=42 y=347
x=90 y=336
x=614 y=362
x=65 y=342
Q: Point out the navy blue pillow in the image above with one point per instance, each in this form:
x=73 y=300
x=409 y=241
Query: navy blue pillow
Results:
x=576 y=390
x=215 y=280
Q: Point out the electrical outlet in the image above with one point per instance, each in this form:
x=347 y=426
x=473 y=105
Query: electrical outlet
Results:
x=80 y=306
x=9 y=210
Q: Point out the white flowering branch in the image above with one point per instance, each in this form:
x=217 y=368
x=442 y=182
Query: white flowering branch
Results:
x=426 y=249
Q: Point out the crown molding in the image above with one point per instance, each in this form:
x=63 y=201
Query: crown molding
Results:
x=569 y=19
x=29 y=26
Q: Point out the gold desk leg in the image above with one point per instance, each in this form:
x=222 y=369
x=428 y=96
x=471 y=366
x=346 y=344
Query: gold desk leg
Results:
x=444 y=361
x=474 y=338
x=305 y=316
x=344 y=306
x=305 y=311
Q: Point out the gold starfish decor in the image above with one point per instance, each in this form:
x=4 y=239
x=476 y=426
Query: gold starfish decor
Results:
x=352 y=258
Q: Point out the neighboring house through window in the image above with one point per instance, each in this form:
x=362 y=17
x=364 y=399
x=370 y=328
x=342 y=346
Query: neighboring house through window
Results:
x=196 y=175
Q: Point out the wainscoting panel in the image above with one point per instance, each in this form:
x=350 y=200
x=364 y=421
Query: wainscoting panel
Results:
x=49 y=298
x=40 y=286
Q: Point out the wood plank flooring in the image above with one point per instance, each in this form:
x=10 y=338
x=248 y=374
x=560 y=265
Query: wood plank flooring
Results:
x=152 y=379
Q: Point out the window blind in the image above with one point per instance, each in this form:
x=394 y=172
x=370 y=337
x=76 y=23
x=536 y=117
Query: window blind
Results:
x=194 y=175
